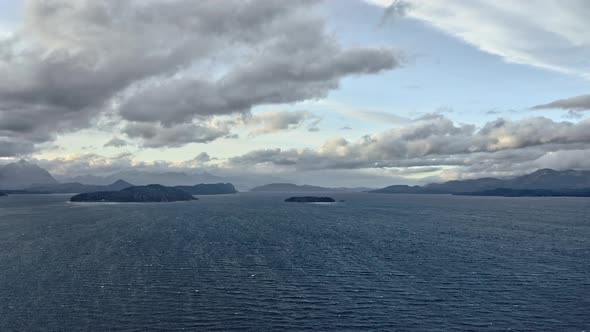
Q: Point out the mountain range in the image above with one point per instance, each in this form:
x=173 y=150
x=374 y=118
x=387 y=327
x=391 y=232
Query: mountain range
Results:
x=28 y=177
x=23 y=177
x=75 y=187
x=144 y=178
x=543 y=179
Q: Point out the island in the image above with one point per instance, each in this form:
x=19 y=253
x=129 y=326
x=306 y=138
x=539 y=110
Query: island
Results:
x=152 y=193
x=2 y=194
x=310 y=199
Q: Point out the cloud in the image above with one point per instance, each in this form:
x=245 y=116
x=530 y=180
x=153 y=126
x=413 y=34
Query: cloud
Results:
x=172 y=65
x=368 y=115
x=433 y=140
x=116 y=142
x=10 y=147
x=275 y=121
x=553 y=38
x=578 y=103
x=159 y=136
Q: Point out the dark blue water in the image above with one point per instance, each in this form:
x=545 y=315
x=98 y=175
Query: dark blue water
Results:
x=252 y=262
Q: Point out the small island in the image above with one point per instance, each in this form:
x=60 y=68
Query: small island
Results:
x=2 y=194
x=152 y=193
x=310 y=199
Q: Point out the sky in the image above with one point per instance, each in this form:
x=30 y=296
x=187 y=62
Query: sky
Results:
x=332 y=92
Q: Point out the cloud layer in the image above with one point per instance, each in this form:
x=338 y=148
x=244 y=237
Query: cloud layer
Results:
x=171 y=65
x=434 y=140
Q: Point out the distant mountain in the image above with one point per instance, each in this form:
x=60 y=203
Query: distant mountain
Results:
x=404 y=189
x=23 y=174
x=465 y=185
x=140 y=194
x=505 y=192
x=546 y=179
x=552 y=179
x=144 y=178
x=289 y=187
x=69 y=188
x=119 y=185
x=209 y=189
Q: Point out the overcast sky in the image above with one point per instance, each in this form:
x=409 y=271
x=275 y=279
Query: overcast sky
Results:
x=334 y=92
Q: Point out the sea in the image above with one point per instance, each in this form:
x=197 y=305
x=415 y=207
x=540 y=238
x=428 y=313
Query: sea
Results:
x=251 y=262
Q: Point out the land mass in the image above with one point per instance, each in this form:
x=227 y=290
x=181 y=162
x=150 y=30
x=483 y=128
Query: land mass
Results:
x=544 y=179
x=139 y=194
x=506 y=192
x=310 y=199
x=70 y=188
x=209 y=189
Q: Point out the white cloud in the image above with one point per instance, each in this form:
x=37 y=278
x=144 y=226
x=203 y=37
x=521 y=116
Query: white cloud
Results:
x=276 y=121
x=433 y=140
x=550 y=34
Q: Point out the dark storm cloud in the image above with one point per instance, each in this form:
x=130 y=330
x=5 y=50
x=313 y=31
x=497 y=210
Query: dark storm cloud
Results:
x=166 y=63
x=578 y=103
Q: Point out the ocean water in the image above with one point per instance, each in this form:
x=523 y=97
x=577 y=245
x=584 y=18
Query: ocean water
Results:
x=252 y=262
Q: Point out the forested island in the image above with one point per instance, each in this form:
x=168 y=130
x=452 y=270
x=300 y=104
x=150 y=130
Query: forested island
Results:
x=139 y=194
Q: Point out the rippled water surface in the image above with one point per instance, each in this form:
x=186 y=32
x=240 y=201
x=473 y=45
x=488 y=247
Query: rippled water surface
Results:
x=252 y=262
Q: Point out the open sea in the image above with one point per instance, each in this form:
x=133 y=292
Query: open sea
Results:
x=252 y=262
